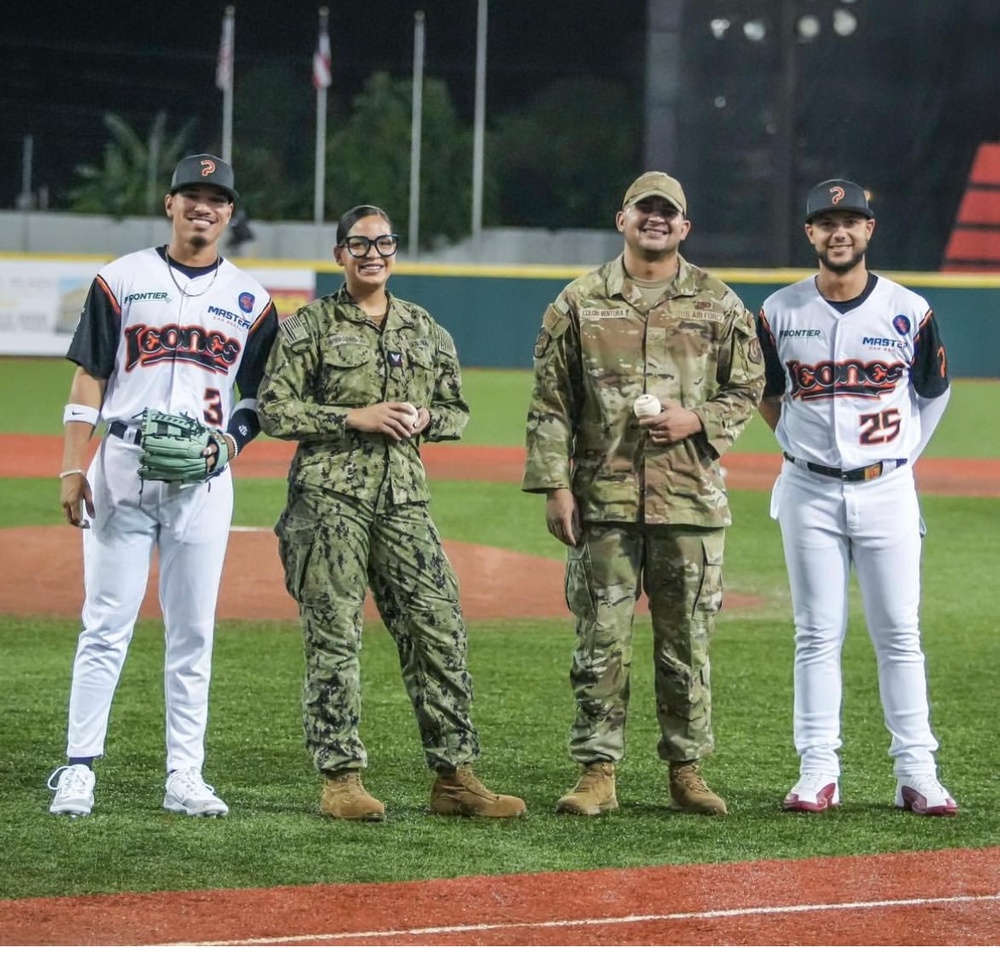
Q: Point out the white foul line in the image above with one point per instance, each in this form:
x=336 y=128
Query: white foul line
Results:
x=594 y=922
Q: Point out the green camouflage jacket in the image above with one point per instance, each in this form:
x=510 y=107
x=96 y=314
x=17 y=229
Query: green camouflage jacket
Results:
x=598 y=349
x=327 y=359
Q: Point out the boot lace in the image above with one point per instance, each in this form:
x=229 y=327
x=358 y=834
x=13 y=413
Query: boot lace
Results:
x=689 y=777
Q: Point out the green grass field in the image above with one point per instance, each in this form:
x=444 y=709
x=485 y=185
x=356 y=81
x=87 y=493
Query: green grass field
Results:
x=257 y=760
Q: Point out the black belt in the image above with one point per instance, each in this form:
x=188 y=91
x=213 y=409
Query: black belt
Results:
x=123 y=431
x=861 y=475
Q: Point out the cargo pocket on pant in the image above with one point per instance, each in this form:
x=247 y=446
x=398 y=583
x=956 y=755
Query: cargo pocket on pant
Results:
x=300 y=549
x=709 y=600
x=579 y=583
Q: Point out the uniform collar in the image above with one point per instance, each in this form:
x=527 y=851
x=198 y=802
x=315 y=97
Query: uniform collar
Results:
x=684 y=283
x=396 y=316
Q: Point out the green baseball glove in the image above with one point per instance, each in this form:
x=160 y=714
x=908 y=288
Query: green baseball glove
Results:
x=173 y=448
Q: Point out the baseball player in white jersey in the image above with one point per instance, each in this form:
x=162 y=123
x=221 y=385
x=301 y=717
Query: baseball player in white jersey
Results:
x=856 y=383
x=180 y=329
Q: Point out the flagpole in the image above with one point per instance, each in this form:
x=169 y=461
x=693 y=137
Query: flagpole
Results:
x=224 y=80
x=321 y=80
x=479 y=130
x=415 y=132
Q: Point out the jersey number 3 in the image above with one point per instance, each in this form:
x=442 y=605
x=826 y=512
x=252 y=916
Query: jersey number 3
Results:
x=879 y=428
x=213 y=407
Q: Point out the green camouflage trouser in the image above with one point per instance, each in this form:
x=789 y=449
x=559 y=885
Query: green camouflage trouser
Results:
x=681 y=571
x=332 y=548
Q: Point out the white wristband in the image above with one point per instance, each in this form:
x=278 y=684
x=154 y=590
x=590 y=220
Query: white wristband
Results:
x=81 y=414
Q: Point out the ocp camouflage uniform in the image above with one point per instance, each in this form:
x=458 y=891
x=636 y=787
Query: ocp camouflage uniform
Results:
x=357 y=515
x=650 y=513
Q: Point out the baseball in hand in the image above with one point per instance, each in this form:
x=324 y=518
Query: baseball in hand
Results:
x=646 y=405
x=412 y=412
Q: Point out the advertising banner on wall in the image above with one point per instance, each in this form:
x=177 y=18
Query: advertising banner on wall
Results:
x=41 y=299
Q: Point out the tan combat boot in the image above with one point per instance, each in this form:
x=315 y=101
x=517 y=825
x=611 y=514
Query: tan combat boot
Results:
x=689 y=791
x=594 y=792
x=344 y=796
x=461 y=792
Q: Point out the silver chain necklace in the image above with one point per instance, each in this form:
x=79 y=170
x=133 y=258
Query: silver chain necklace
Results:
x=184 y=292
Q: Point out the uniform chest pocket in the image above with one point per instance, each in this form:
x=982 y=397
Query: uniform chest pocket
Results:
x=685 y=352
x=412 y=367
x=349 y=374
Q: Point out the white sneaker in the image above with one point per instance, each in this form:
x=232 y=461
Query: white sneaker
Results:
x=188 y=794
x=74 y=787
x=813 y=793
x=924 y=794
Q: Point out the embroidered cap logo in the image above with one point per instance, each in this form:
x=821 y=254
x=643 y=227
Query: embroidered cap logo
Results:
x=207 y=167
x=836 y=194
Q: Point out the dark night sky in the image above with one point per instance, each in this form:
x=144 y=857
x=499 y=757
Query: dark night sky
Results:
x=900 y=107
x=64 y=63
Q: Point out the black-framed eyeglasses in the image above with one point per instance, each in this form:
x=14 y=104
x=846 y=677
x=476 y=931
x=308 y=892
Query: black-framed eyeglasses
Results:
x=357 y=245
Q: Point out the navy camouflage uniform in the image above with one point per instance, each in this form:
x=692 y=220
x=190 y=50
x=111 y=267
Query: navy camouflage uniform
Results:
x=652 y=515
x=357 y=515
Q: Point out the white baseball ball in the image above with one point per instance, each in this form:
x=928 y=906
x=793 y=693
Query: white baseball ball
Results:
x=646 y=405
x=412 y=412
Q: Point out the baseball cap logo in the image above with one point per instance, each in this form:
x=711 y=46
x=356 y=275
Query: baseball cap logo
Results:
x=836 y=194
x=208 y=167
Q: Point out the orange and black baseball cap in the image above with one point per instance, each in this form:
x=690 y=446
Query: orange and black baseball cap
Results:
x=204 y=169
x=837 y=195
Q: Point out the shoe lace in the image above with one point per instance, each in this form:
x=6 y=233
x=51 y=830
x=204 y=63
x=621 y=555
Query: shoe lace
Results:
x=689 y=776
x=188 y=781
x=926 y=784
x=812 y=782
x=592 y=776
x=466 y=779
x=68 y=779
x=350 y=781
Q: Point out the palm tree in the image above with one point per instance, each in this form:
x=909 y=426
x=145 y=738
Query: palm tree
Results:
x=129 y=182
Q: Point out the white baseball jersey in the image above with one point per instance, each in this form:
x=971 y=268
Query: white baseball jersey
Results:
x=175 y=338
x=850 y=371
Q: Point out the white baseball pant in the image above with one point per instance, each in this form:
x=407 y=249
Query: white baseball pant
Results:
x=190 y=528
x=826 y=525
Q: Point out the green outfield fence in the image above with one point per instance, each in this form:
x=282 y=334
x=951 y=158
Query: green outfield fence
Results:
x=494 y=313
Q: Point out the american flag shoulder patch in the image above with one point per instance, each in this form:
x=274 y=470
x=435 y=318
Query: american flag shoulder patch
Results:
x=293 y=328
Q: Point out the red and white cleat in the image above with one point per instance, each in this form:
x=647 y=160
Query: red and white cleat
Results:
x=924 y=794
x=813 y=794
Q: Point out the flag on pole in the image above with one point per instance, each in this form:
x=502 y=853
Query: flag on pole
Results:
x=321 y=58
x=224 y=68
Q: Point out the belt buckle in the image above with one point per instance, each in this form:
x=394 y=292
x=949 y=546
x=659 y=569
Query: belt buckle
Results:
x=873 y=472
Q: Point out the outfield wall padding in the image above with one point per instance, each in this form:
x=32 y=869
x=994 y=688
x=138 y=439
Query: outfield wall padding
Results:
x=495 y=318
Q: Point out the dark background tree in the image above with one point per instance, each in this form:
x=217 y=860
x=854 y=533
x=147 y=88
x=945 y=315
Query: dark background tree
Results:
x=900 y=105
x=130 y=180
x=368 y=158
x=550 y=156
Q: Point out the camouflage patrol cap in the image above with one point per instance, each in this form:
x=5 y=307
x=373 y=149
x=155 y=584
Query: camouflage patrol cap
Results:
x=204 y=169
x=659 y=184
x=837 y=195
